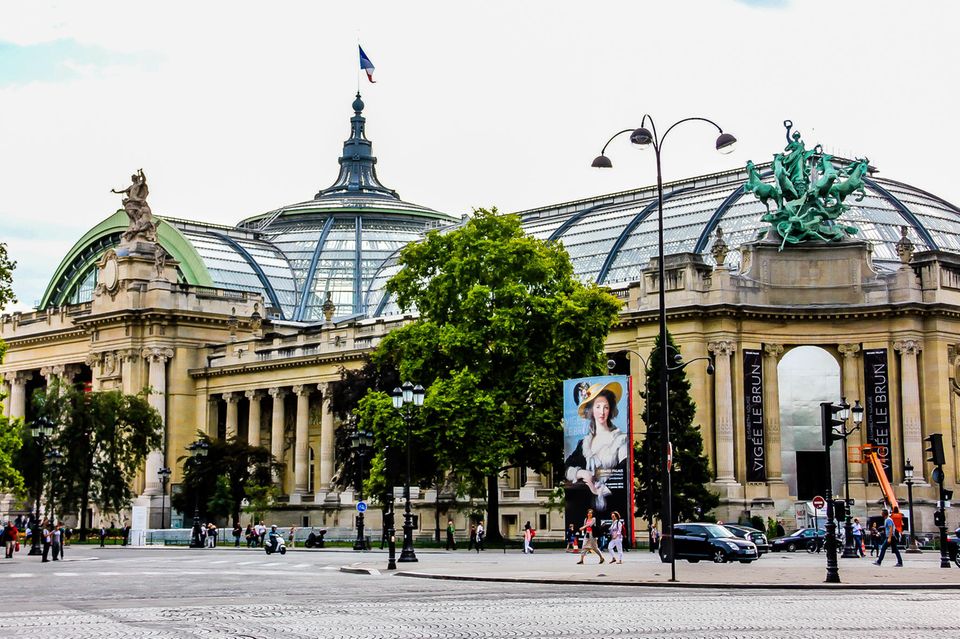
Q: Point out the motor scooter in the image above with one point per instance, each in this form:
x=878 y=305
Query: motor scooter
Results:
x=275 y=545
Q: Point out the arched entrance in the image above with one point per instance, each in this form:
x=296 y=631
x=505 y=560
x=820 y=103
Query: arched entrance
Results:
x=808 y=375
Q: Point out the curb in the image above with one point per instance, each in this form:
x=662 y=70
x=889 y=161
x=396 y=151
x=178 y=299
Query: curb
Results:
x=661 y=584
x=360 y=571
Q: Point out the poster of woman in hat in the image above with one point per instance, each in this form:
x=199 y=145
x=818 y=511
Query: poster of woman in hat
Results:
x=597 y=450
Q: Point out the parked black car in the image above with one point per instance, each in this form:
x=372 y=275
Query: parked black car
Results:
x=696 y=541
x=750 y=534
x=797 y=540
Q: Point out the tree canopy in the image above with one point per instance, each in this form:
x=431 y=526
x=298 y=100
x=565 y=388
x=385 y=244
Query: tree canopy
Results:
x=502 y=321
x=217 y=483
x=104 y=438
x=6 y=279
x=692 y=500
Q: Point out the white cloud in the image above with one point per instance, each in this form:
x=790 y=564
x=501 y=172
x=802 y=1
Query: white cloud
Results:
x=243 y=108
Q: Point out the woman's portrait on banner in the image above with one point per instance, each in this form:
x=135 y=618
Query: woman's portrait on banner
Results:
x=597 y=442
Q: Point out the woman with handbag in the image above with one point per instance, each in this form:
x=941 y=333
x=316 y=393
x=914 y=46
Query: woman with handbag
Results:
x=589 y=530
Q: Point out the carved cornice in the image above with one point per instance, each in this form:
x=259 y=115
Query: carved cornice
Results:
x=908 y=346
x=774 y=351
x=722 y=347
x=849 y=350
x=157 y=354
x=293 y=362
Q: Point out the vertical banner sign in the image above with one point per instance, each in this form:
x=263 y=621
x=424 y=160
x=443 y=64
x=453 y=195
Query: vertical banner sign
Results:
x=876 y=375
x=753 y=414
x=598 y=450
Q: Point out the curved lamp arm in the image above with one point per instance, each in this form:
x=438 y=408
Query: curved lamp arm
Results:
x=659 y=143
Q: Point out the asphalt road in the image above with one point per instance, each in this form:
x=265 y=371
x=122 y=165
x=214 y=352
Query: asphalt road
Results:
x=116 y=592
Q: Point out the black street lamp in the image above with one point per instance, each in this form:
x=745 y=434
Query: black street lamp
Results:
x=678 y=364
x=405 y=395
x=164 y=475
x=41 y=431
x=361 y=441
x=908 y=480
x=198 y=450
x=54 y=457
x=645 y=137
x=849 y=550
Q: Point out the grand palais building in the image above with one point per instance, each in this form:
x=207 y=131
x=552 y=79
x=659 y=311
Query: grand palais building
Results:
x=240 y=329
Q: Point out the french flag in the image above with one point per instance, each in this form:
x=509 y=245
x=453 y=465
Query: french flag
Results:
x=366 y=65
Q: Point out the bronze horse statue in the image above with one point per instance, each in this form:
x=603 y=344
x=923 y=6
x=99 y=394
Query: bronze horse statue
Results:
x=763 y=191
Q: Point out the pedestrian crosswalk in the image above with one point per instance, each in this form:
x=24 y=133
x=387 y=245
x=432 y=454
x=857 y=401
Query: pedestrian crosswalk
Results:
x=155 y=566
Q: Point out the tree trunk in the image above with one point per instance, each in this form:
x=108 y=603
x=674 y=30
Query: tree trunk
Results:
x=492 y=528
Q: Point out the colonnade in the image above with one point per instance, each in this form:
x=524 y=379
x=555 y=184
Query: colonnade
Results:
x=301 y=442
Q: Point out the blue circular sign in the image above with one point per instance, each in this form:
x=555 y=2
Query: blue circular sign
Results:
x=361 y=506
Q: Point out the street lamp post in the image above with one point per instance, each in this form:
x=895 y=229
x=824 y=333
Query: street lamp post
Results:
x=406 y=394
x=908 y=480
x=54 y=457
x=361 y=442
x=164 y=475
x=849 y=550
x=678 y=364
x=41 y=430
x=198 y=450
x=645 y=137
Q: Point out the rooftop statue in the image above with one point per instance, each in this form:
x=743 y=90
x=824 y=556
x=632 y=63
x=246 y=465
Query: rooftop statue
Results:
x=809 y=192
x=142 y=226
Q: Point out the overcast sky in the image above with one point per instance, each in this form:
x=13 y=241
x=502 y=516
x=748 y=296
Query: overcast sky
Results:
x=236 y=108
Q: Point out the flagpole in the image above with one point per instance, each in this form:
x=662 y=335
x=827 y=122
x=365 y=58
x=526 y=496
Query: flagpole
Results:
x=359 y=70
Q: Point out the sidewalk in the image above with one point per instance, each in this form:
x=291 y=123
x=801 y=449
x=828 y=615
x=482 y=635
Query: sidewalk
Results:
x=642 y=568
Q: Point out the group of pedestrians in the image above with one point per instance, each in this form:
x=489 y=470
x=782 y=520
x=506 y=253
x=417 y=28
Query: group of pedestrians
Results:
x=254 y=535
x=590 y=531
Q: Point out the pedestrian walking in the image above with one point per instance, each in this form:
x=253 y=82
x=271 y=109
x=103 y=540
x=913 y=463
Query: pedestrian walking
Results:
x=47 y=532
x=571 y=539
x=890 y=530
x=616 y=539
x=589 y=540
x=103 y=534
x=654 y=539
x=292 y=531
x=473 y=537
x=211 y=536
x=858 y=536
x=64 y=536
x=5 y=539
x=451 y=542
x=528 y=534
x=480 y=533
x=55 y=540
x=874 y=539
x=261 y=532
x=237 y=531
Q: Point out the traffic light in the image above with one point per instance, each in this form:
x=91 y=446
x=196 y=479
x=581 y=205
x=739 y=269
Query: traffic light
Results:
x=938 y=518
x=937 y=458
x=829 y=421
x=839 y=509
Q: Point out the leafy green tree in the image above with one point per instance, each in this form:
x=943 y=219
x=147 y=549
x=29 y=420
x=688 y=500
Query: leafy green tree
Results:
x=104 y=438
x=218 y=482
x=11 y=440
x=692 y=500
x=260 y=498
x=502 y=321
x=6 y=279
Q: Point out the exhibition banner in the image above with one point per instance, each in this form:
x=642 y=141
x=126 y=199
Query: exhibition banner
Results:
x=876 y=375
x=753 y=414
x=598 y=449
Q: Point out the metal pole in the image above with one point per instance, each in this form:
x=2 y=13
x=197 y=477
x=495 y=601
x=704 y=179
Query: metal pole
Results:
x=849 y=551
x=944 y=556
x=667 y=497
x=360 y=544
x=407 y=554
x=35 y=542
x=391 y=535
x=833 y=572
x=913 y=535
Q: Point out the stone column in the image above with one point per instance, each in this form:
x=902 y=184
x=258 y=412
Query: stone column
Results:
x=771 y=412
x=910 y=402
x=18 y=393
x=723 y=410
x=533 y=479
x=301 y=443
x=5 y=390
x=850 y=386
x=326 y=439
x=157 y=379
x=232 y=399
x=276 y=427
x=253 y=422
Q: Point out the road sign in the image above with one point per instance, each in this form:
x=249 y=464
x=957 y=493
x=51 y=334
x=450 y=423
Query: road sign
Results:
x=361 y=506
x=819 y=502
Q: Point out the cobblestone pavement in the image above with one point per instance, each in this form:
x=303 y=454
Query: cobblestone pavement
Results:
x=183 y=593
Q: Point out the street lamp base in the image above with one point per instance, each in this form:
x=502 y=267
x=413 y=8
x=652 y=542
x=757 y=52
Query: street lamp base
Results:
x=407 y=555
x=913 y=550
x=34 y=551
x=849 y=552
